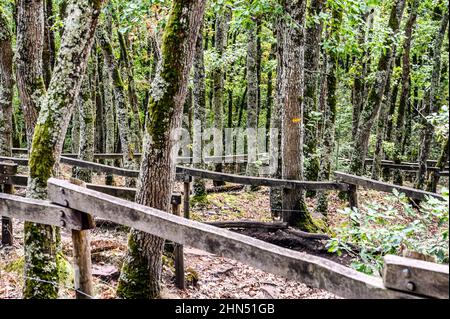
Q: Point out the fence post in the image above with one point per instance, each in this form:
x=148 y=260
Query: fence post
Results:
x=178 y=249
x=7 y=169
x=186 y=195
x=353 y=196
x=82 y=254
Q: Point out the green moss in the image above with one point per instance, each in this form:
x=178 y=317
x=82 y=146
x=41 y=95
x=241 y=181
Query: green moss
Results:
x=135 y=277
x=191 y=277
x=40 y=251
x=42 y=159
x=305 y=221
x=162 y=109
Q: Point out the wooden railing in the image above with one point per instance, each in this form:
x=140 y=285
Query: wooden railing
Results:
x=72 y=207
x=68 y=203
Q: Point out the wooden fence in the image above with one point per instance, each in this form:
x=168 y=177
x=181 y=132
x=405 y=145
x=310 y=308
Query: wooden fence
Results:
x=73 y=206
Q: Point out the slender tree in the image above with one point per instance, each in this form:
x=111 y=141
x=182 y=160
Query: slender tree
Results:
x=141 y=271
x=292 y=130
x=41 y=269
x=370 y=111
x=433 y=103
x=30 y=46
x=312 y=58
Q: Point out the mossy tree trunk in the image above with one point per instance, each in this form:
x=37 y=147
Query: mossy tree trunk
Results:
x=87 y=129
x=141 y=271
x=56 y=109
x=6 y=111
x=275 y=125
x=330 y=115
x=433 y=103
x=218 y=77
x=49 y=50
x=370 y=111
x=199 y=100
x=120 y=101
x=29 y=66
x=6 y=87
x=292 y=131
x=312 y=57
x=127 y=60
x=359 y=90
x=405 y=93
x=252 y=100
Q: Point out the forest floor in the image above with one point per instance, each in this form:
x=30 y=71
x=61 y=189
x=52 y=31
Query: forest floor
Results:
x=207 y=275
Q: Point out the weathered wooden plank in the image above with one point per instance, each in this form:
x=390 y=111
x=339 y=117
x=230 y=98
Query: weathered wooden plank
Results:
x=121 y=192
x=17 y=160
x=82 y=255
x=37 y=211
x=312 y=270
x=384 y=187
x=178 y=254
x=7 y=223
x=259 y=181
x=248 y=224
x=100 y=168
x=416 y=276
x=8 y=169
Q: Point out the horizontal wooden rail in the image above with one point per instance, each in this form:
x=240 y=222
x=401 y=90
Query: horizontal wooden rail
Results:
x=39 y=211
x=416 y=276
x=261 y=181
x=312 y=270
x=232 y=178
x=384 y=187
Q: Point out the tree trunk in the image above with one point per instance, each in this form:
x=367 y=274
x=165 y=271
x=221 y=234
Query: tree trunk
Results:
x=222 y=22
x=433 y=104
x=359 y=86
x=6 y=87
x=405 y=93
x=49 y=50
x=252 y=101
x=312 y=57
x=292 y=85
x=56 y=109
x=199 y=97
x=132 y=95
x=371 y=109
x=330 y=115
x=120 y=102
x=87 y=129
x=141 y=271
x=30 y=44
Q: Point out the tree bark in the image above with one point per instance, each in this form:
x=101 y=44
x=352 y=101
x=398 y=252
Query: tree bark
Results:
x=87 y=129
x=330 y=115
x=141 y=271
x=292 y=85
x=405 y=93
x=30 y=44
x=6 y=87
x=312 y=58
x=56 y=109
x=199 y=100
x=252 y=101
x=221 y=31
x=120 y=101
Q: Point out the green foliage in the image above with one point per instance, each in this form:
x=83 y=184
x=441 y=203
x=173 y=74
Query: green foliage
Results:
x=380 y=229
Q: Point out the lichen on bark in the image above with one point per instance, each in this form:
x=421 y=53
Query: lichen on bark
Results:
x=57 y=105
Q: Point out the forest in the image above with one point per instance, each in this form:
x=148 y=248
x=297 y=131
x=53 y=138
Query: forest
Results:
x=271 y=129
